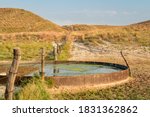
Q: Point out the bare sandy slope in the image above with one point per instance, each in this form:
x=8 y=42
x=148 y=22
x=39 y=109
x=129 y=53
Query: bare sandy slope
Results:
x=108 y=52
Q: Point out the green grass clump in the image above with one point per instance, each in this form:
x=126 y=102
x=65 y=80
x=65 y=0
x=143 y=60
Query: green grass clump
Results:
x=35 y=89
x=65 y=51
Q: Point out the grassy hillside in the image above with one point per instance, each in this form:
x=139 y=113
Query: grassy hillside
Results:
x=138 y=34
x=29 y=43
x=28 y=31
x=84 y=27
x=19 y=20
x=20 y=28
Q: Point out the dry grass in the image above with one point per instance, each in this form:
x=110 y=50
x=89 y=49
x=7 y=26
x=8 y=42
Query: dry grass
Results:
x=137 y=34
x=19 y=20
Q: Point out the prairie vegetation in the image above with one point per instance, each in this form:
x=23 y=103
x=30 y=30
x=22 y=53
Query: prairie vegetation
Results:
x=29 y=43
x=137 y=34
x=19 y=20
x=38 y=90
x=30 y=50
x=30 y=32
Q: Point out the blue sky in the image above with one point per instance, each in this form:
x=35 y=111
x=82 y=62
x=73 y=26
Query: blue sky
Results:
x=107 y=12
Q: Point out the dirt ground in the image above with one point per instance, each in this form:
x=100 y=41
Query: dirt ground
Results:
x=108 y=52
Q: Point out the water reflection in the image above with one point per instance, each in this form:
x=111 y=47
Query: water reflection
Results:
x=55 y=70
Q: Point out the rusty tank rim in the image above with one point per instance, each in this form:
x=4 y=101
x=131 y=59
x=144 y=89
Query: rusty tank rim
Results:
x=90 y=79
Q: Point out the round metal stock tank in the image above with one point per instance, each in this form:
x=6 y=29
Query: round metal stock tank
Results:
x=91 y=79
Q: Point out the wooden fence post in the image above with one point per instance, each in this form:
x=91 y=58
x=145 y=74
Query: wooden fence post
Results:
x=126 y=62
x=11 y=76
x=42 y=63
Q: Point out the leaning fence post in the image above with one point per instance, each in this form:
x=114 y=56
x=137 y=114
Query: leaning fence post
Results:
x=126 y=62
x=42 y=63
x=11 y=76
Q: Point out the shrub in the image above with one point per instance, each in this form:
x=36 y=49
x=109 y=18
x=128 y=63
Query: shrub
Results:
x=65 y=52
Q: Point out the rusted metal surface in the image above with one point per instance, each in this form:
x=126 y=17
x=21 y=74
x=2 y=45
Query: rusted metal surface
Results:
x=90 y=79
